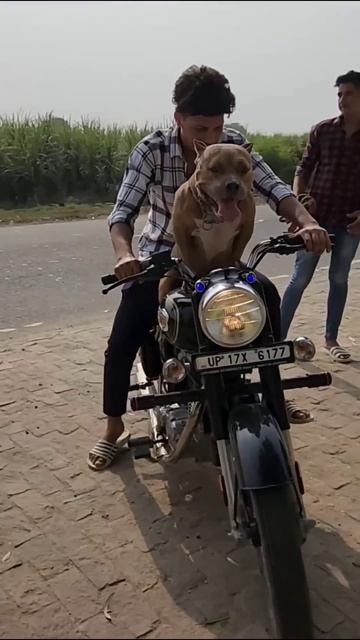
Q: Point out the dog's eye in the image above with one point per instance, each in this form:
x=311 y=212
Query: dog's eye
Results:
x=214 y=168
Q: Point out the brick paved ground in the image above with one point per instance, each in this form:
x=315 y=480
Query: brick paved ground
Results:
x=70 y=539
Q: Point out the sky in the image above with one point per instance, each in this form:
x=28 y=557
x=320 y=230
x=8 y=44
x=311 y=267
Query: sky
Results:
x=118 y=61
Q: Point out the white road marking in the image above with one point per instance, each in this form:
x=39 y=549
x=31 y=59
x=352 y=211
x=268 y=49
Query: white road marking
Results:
x=285 y=275
x=7 y=330
x=33 y=324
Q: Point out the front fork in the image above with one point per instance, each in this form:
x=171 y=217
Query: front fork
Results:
x=274 y=397
x=232 y=494
x=215 y=389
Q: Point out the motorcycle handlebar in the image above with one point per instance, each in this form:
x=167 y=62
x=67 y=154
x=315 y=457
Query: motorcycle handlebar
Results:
x=294 y=240
x=109 y=279
x=155 y=267
x=152 y=268
x=144 y=264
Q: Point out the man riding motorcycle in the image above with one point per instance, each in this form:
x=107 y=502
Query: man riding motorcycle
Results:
x=156 y=168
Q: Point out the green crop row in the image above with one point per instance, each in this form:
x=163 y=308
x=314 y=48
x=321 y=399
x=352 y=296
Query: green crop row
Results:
x=49 y=160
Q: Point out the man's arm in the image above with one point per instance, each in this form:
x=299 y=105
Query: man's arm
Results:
x=281 y=199
x=310 y=159
x=121 y=236
x=300 y=184
x=278 y=195
x=131 y=195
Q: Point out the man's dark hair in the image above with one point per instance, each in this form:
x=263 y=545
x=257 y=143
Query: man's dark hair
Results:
x=203 y=91
x=351 y=77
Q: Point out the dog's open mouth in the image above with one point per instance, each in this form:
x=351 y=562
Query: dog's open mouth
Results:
x=228 y=209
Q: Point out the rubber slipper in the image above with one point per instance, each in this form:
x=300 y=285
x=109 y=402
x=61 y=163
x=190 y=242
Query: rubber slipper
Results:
x=107 y=451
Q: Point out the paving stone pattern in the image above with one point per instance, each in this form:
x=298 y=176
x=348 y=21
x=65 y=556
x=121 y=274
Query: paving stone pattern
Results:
x=153 y=540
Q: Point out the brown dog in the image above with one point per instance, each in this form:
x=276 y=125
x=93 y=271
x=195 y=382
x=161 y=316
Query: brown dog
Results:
x=214 y=211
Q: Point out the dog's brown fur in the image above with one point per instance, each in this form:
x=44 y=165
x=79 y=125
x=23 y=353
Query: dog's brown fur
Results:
x=202 y=239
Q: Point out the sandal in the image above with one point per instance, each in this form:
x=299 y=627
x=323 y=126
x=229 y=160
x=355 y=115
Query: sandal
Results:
x=296 y=415
x=338 y=354
x=107 y=452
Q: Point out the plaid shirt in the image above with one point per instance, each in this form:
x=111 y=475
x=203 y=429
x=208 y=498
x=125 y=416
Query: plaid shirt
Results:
x=330 y=167
x=156 y=169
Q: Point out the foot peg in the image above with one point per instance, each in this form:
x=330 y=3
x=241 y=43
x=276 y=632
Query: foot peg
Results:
x=142 y=446
x=137 y=387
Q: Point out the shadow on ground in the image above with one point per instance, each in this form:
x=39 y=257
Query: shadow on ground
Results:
x=212 y=581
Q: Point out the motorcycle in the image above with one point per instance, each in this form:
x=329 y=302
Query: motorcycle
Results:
x=195 y=380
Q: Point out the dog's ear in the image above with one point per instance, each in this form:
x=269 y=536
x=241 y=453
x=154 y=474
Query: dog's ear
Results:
x=248 y=146
x=199 y=147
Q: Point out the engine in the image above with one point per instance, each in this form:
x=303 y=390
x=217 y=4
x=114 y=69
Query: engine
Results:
x=173 y=421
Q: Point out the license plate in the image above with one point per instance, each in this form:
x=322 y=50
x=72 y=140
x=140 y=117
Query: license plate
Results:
x=246 y=358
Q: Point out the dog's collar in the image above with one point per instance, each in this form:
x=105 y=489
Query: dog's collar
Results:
x=207 y=206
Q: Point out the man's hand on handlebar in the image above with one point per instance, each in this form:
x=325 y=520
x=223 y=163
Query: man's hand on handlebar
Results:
x=127 y=266
x=315 y=238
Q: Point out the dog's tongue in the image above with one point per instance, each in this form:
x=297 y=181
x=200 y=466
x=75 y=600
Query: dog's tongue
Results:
x=228 y=209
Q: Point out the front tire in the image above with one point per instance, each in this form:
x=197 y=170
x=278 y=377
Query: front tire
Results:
x=279 y=533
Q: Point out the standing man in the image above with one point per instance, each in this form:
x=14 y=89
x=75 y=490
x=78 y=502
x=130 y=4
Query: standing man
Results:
x=328 y=181
x=156 y=168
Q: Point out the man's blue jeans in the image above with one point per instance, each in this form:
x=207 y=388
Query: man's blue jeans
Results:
x=342 y=256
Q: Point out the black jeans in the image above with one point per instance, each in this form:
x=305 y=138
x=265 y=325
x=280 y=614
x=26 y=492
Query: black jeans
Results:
x=136 y=315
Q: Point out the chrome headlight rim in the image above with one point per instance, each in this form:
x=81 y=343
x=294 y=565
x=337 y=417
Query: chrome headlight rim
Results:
x=219 y=287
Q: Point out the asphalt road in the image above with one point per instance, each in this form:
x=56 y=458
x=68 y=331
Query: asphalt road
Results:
x=50 y=273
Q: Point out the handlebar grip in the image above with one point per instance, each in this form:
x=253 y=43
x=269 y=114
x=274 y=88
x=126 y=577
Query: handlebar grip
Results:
x=109 y=279
x=292 y=240
x=112 y=278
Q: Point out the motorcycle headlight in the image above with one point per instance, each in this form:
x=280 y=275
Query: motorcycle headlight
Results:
x=232 y=315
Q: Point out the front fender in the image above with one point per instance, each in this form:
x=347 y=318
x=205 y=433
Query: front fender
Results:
x=258 y=448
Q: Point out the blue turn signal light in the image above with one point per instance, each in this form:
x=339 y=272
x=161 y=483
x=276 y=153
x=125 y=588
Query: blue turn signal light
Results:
x=250 y=278
x=200 y=286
